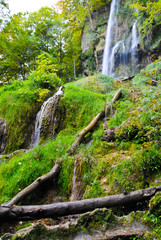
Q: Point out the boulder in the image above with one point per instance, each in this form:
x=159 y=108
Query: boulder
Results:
x=109 y=134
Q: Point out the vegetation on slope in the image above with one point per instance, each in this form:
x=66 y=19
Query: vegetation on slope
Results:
x=130 y=163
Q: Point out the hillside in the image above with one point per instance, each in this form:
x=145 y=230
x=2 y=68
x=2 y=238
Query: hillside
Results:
x=129 y=161
x=80 y=121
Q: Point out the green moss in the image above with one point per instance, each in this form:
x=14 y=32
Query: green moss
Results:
x=97 y=219
x=97 y=83
x=155 y=205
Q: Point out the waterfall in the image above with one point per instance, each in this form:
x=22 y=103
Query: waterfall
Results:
x=41 y=114
x=120 y=52
x=134 y=44
x=73 y=195
x=109 y=37
x=114 y=52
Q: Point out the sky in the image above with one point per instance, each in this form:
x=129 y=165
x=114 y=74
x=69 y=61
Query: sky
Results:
x=16 y=6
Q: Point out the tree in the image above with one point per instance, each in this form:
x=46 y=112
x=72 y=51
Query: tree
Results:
x=150 y=11
x=16 y=49
x=4 y=11
x=45 y=74
x=24 y=38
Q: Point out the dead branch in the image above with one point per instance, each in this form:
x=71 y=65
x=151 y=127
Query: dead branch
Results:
x=17 y=213
x=33 y=186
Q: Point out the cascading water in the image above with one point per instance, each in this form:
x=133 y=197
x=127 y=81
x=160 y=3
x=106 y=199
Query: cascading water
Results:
x=41 y=114
x=115 y=50
x=134 y=44
x=120 y=54
x=112 y=22
x=73 y=194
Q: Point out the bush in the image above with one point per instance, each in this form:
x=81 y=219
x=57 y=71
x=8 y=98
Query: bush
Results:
x=45 y=74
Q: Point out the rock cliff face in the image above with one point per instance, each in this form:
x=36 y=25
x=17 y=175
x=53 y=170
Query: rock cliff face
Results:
x=3 y=135
x=93 y=42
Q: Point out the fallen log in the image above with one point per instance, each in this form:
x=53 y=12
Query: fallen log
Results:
x=33 y=186
x=85 y=131
x=127 y=78
x=23 y=213
x=92 y=124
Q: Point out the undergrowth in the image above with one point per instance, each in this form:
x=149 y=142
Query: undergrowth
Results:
x=129 y=163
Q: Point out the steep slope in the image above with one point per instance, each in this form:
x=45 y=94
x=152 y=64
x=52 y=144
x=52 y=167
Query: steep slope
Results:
x=129 y=162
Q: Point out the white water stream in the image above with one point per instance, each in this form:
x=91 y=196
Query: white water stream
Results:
x=73 y=194
x=109 y=36
x=134 y=43
x=41 y=114
x=117 y=52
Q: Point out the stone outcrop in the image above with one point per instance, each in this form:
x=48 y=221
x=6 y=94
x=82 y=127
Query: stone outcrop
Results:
x=106 y=224
x=109 y=134
x=3 y=135
x=93 y=42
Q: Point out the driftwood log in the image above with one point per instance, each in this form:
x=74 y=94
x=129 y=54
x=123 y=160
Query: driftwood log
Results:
x=92 y=124
x=17 y=213
x=33 y=186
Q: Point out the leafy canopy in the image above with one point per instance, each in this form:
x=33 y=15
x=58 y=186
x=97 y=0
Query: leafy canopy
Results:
x=150 y=10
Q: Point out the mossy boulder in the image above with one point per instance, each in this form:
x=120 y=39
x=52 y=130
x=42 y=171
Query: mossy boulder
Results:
x=155 y=205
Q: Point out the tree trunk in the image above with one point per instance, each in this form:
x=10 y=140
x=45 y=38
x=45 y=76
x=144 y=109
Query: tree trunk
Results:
x=84 y=131
x=92 y=124
x=33 y=186
x=90 y=17
x=127 y=78
x=17 y=213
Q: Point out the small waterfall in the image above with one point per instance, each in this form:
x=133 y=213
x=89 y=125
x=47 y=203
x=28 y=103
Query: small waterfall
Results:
x=134 y=47
x=41 y=114
x=111 y=110
x=73 y=195
x=112 y=22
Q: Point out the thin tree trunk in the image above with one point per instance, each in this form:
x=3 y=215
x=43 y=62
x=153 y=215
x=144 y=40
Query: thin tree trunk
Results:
x=90 y=17
x=33 y=186
x=85 y=131
x=17 y=213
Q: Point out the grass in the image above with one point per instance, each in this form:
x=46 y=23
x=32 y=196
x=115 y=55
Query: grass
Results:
x=19 y=104
x=20 y=171
x=79 y=107
x=132 y=162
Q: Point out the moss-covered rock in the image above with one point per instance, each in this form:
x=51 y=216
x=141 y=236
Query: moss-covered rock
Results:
x=155 y=205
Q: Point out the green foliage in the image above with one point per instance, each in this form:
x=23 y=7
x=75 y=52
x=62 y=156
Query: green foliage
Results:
x=3 y=12
x=45 y=74
x=80 y=106
x=19 y=171
x=97 y=83
x=93 y=190
x=20 y=102
x=135 y=172
x=151 y=161
x=122 y=113
x=65 y=176
x=129 y=130
x=149 y=11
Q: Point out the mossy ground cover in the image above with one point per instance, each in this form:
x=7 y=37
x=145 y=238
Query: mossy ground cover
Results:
x=80 y=107
x=130 y=163
x=19 y=103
